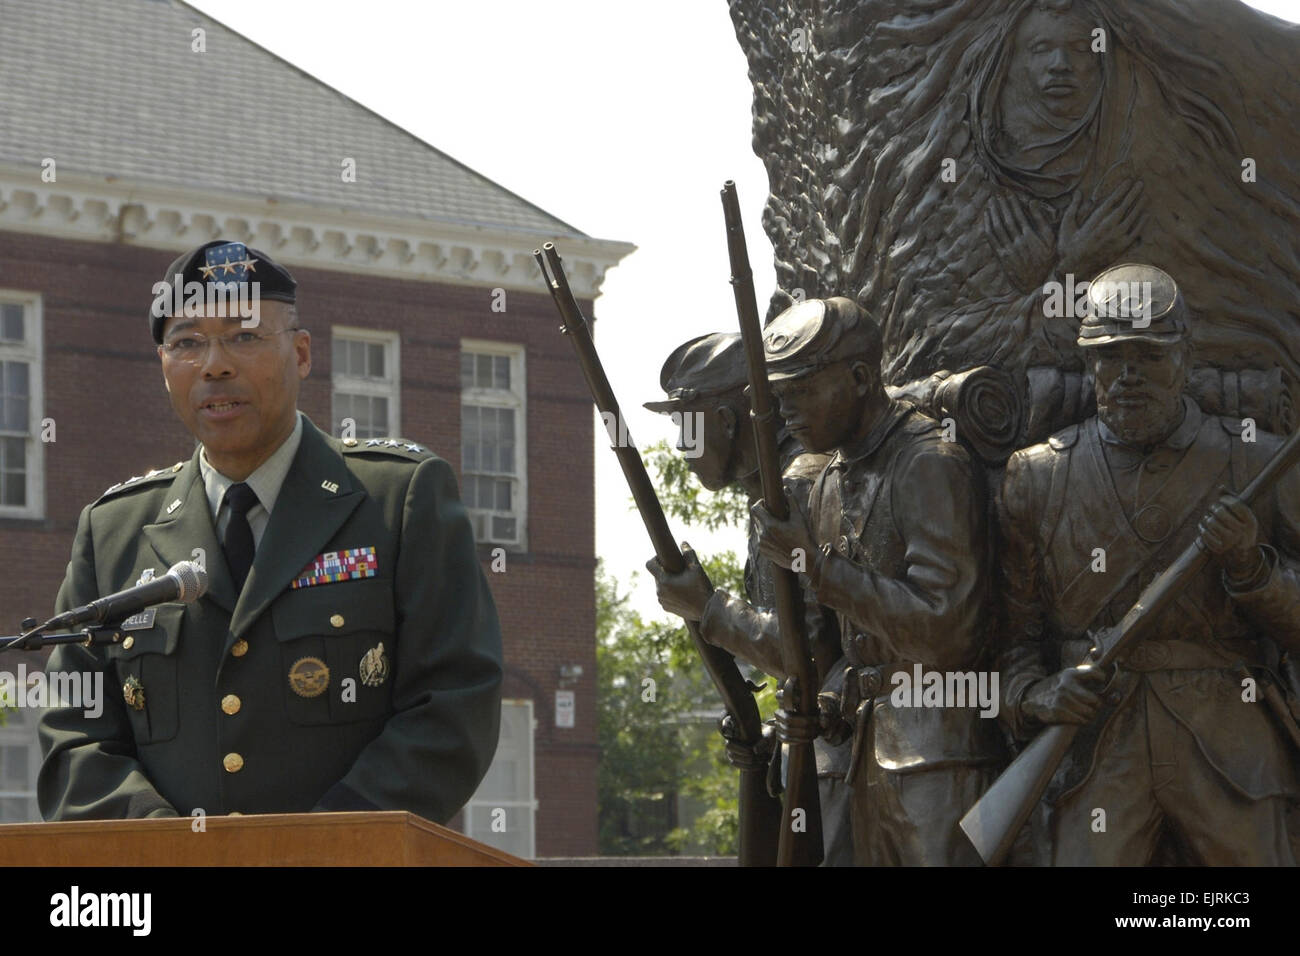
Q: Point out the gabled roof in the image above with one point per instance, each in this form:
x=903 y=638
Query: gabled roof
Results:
x=113 y=89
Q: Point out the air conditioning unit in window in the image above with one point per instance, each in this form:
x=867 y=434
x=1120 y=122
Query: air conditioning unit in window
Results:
x=495 y=527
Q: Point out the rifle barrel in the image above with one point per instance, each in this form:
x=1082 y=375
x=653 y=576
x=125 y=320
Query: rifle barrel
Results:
x=801 y=787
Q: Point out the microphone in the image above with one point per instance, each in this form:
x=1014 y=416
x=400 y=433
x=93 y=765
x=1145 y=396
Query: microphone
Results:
x=185 y=582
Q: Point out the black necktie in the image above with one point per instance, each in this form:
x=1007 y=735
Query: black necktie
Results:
x=238 y=543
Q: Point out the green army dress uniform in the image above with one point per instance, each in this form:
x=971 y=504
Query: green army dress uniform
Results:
x=374 y=688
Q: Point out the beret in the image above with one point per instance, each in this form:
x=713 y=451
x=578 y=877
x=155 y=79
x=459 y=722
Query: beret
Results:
x=217 y=271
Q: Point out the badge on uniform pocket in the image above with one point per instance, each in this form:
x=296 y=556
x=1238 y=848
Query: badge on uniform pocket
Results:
x=374 y=666
x=133 y=693
x=309 y=676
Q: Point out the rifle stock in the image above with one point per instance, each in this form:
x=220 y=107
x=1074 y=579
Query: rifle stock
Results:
x=757 y=808
x=800 y=693
x=993 y=823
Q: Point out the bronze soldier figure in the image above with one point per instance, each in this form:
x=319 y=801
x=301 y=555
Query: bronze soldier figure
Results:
x=705 y=382
x=1190 y=742
x=896 y=548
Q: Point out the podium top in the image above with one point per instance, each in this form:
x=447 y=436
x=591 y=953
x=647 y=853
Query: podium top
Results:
x=380 y=838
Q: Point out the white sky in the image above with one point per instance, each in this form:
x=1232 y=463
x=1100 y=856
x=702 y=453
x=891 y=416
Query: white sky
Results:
x=622 y=118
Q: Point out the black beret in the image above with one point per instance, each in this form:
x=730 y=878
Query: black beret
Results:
x=222 y=270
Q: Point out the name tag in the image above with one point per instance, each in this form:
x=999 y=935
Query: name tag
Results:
x=139 y=622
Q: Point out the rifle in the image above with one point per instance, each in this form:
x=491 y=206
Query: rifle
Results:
x=799 y=695
x=993 y=823
x=742 y=726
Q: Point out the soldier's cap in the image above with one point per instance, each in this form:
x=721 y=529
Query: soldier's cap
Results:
x=1134 y=301
x=815 y=333
x=221 y=266
x=702 y=368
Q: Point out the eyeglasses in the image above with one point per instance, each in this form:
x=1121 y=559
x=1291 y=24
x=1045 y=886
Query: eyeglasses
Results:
x=192 y=348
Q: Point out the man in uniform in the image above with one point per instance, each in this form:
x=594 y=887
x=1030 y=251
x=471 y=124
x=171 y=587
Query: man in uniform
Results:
x=896 y=548
x=1186 y=742
x=705 y=382
x=346 y=654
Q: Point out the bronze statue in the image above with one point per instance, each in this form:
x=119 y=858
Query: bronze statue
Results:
x=894 y=541
x=941 y=163
x=705 y=382
x=1193 y=741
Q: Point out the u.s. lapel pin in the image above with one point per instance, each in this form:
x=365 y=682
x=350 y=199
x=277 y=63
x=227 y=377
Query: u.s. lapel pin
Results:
x=330 y=486
x=173 y=506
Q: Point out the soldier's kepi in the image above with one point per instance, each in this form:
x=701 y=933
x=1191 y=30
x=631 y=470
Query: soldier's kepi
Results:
x=1192 y=743
x=704 y=380
x=896 y=548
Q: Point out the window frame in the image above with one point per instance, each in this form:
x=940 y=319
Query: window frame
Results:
x=528 y=804
x=20 y=731
x=516 y=398
x=31 y=351
x=390 y=389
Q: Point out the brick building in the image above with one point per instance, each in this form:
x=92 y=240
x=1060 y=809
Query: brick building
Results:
x=427 y=313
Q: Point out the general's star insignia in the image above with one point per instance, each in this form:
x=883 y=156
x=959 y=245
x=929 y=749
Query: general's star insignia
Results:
x=414 y=448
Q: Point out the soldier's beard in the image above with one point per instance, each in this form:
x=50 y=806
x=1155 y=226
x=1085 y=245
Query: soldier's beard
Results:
x=1142 y=424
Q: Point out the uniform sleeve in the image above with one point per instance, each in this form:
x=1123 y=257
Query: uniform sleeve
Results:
x=1274 y=606
x=932 y=612
x=90 y=770
x=743 y=630
x=1020 y=618
x=436 y=748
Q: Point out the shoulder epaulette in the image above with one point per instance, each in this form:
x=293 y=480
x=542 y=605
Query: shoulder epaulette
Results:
x=1233 y=426
x=398 y=447
x=138 y=481
x=1065 y=438
x=806 y=465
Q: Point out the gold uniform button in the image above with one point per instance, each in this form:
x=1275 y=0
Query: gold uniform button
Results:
x=336 y=620
x=128 y=643
x=230 y=704
x=350 y=442
x=239 y=648
x=233 y=763
x=234 y=813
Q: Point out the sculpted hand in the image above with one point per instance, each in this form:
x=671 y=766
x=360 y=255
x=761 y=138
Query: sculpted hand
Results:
x=781 y=541
x=686 y=592
x=1022 y=241
x=1106 y=234
x=1067 y=697
x=797 y=728
x=1230 y=532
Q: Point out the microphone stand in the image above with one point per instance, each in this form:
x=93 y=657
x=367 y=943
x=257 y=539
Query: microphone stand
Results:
x=33 y=639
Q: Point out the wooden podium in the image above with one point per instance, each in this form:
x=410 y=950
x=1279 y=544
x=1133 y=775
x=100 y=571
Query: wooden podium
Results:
x=281 y=839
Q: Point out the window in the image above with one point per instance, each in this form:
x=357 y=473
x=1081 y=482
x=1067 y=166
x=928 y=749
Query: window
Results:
x=366 y=382
x=22 y=486
x=502 y=811
x=492 y=441
x=20 y=759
